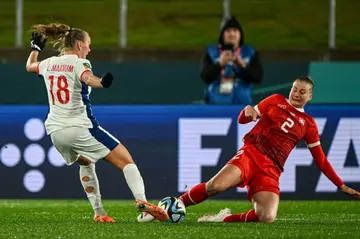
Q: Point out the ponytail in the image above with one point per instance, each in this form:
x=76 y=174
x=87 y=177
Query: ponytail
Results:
x=62 y=36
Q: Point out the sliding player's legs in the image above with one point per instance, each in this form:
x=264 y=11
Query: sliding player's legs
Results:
x=266 y=205
x=263 y=192
x=232 y=174
x=261 y=178
x=227 y=177
x=265 y=209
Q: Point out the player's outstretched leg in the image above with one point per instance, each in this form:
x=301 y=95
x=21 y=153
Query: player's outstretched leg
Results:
x=226 y=215
x=227 y=177
x=121 y=158
x=265 y=210
x=90 y=183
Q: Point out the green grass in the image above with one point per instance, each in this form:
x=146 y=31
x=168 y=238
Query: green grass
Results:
x=192 y=23
x=72 y=219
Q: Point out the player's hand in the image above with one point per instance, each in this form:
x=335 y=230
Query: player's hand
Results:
x=251 y=113
x=352 y=192
x=107 y=79
x=36 y=42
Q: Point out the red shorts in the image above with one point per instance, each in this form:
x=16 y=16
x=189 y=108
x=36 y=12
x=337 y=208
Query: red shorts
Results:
x=258 y=173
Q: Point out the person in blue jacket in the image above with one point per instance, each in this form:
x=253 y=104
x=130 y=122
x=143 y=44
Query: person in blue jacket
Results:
x=230 y=68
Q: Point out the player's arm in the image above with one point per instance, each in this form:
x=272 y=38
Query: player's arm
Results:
x=313 y=141
x=247 y=115
x=84 y=72
x=91 y=80
x=32 y=62
x=36 y=44
x=250 y=113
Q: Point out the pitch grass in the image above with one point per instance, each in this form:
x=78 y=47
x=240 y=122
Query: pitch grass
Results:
x=72 y=219
x=191 y=23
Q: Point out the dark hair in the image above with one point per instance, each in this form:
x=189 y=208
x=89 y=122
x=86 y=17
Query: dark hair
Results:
x=62 y=36
x=307 y=80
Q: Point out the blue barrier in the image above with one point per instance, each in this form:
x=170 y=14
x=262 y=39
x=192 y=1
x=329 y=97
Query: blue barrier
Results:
x=175 y=147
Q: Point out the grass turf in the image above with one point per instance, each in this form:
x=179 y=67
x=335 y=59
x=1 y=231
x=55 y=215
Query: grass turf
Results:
x=191 y=23
x=72 y=219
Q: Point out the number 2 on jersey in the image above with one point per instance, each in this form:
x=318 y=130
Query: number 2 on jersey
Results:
x=62 y=85
x=289 y=123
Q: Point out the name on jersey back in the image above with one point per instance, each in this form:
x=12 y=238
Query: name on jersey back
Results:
x=61 y=68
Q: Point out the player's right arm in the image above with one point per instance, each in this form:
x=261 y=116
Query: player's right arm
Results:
x=250 y=113
x=37 y=45
x=247 y=115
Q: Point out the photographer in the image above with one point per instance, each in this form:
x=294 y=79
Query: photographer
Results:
x=230 y=68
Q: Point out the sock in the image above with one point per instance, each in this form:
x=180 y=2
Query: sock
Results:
x=195 y=195
x=249 y=216
x=134 y=181
x=90 y=183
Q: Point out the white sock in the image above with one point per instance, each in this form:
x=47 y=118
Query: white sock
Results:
x=89 y=180
x=134 y=181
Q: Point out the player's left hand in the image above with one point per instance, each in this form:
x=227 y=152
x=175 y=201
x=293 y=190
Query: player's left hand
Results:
x=352 y=192
x=107 y=79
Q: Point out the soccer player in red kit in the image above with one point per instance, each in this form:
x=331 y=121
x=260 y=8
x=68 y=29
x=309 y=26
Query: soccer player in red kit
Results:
x=260 y=162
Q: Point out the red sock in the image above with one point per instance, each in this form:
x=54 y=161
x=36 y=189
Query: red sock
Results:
x=195 y=195
x=249 y=216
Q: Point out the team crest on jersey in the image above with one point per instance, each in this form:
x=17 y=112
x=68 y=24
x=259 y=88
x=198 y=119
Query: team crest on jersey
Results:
x=87 y=65
x=302 y=121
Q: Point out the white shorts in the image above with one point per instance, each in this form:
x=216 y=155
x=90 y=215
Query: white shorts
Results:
x=93 y=144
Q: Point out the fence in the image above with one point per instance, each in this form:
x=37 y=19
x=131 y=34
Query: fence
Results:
x=123 y=15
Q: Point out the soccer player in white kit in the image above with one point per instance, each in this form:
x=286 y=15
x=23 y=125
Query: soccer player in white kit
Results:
x=73 y=129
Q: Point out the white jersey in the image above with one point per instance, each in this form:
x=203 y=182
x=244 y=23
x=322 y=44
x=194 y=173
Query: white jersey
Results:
x=68 y=95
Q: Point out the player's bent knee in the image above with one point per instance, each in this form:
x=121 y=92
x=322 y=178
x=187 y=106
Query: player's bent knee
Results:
x=264 y=214
x=267 y=217
x=119 y=157
x=213 y=187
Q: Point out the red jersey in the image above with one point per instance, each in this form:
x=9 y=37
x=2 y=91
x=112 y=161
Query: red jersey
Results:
x=280 y=129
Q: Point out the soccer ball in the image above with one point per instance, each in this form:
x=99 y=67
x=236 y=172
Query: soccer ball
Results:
x=174 y=207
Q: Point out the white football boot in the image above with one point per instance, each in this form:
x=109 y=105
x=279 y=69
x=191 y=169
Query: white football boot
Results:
x=216 y=217
x=145 y=217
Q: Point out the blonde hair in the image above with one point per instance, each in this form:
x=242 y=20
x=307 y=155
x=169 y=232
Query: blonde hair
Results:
x=62 y=36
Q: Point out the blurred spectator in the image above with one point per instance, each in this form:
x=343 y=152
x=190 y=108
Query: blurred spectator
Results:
x=230 y=68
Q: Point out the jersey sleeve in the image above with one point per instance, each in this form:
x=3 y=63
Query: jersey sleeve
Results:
x=264 y=104
x=81 y=67
x=312 y=137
